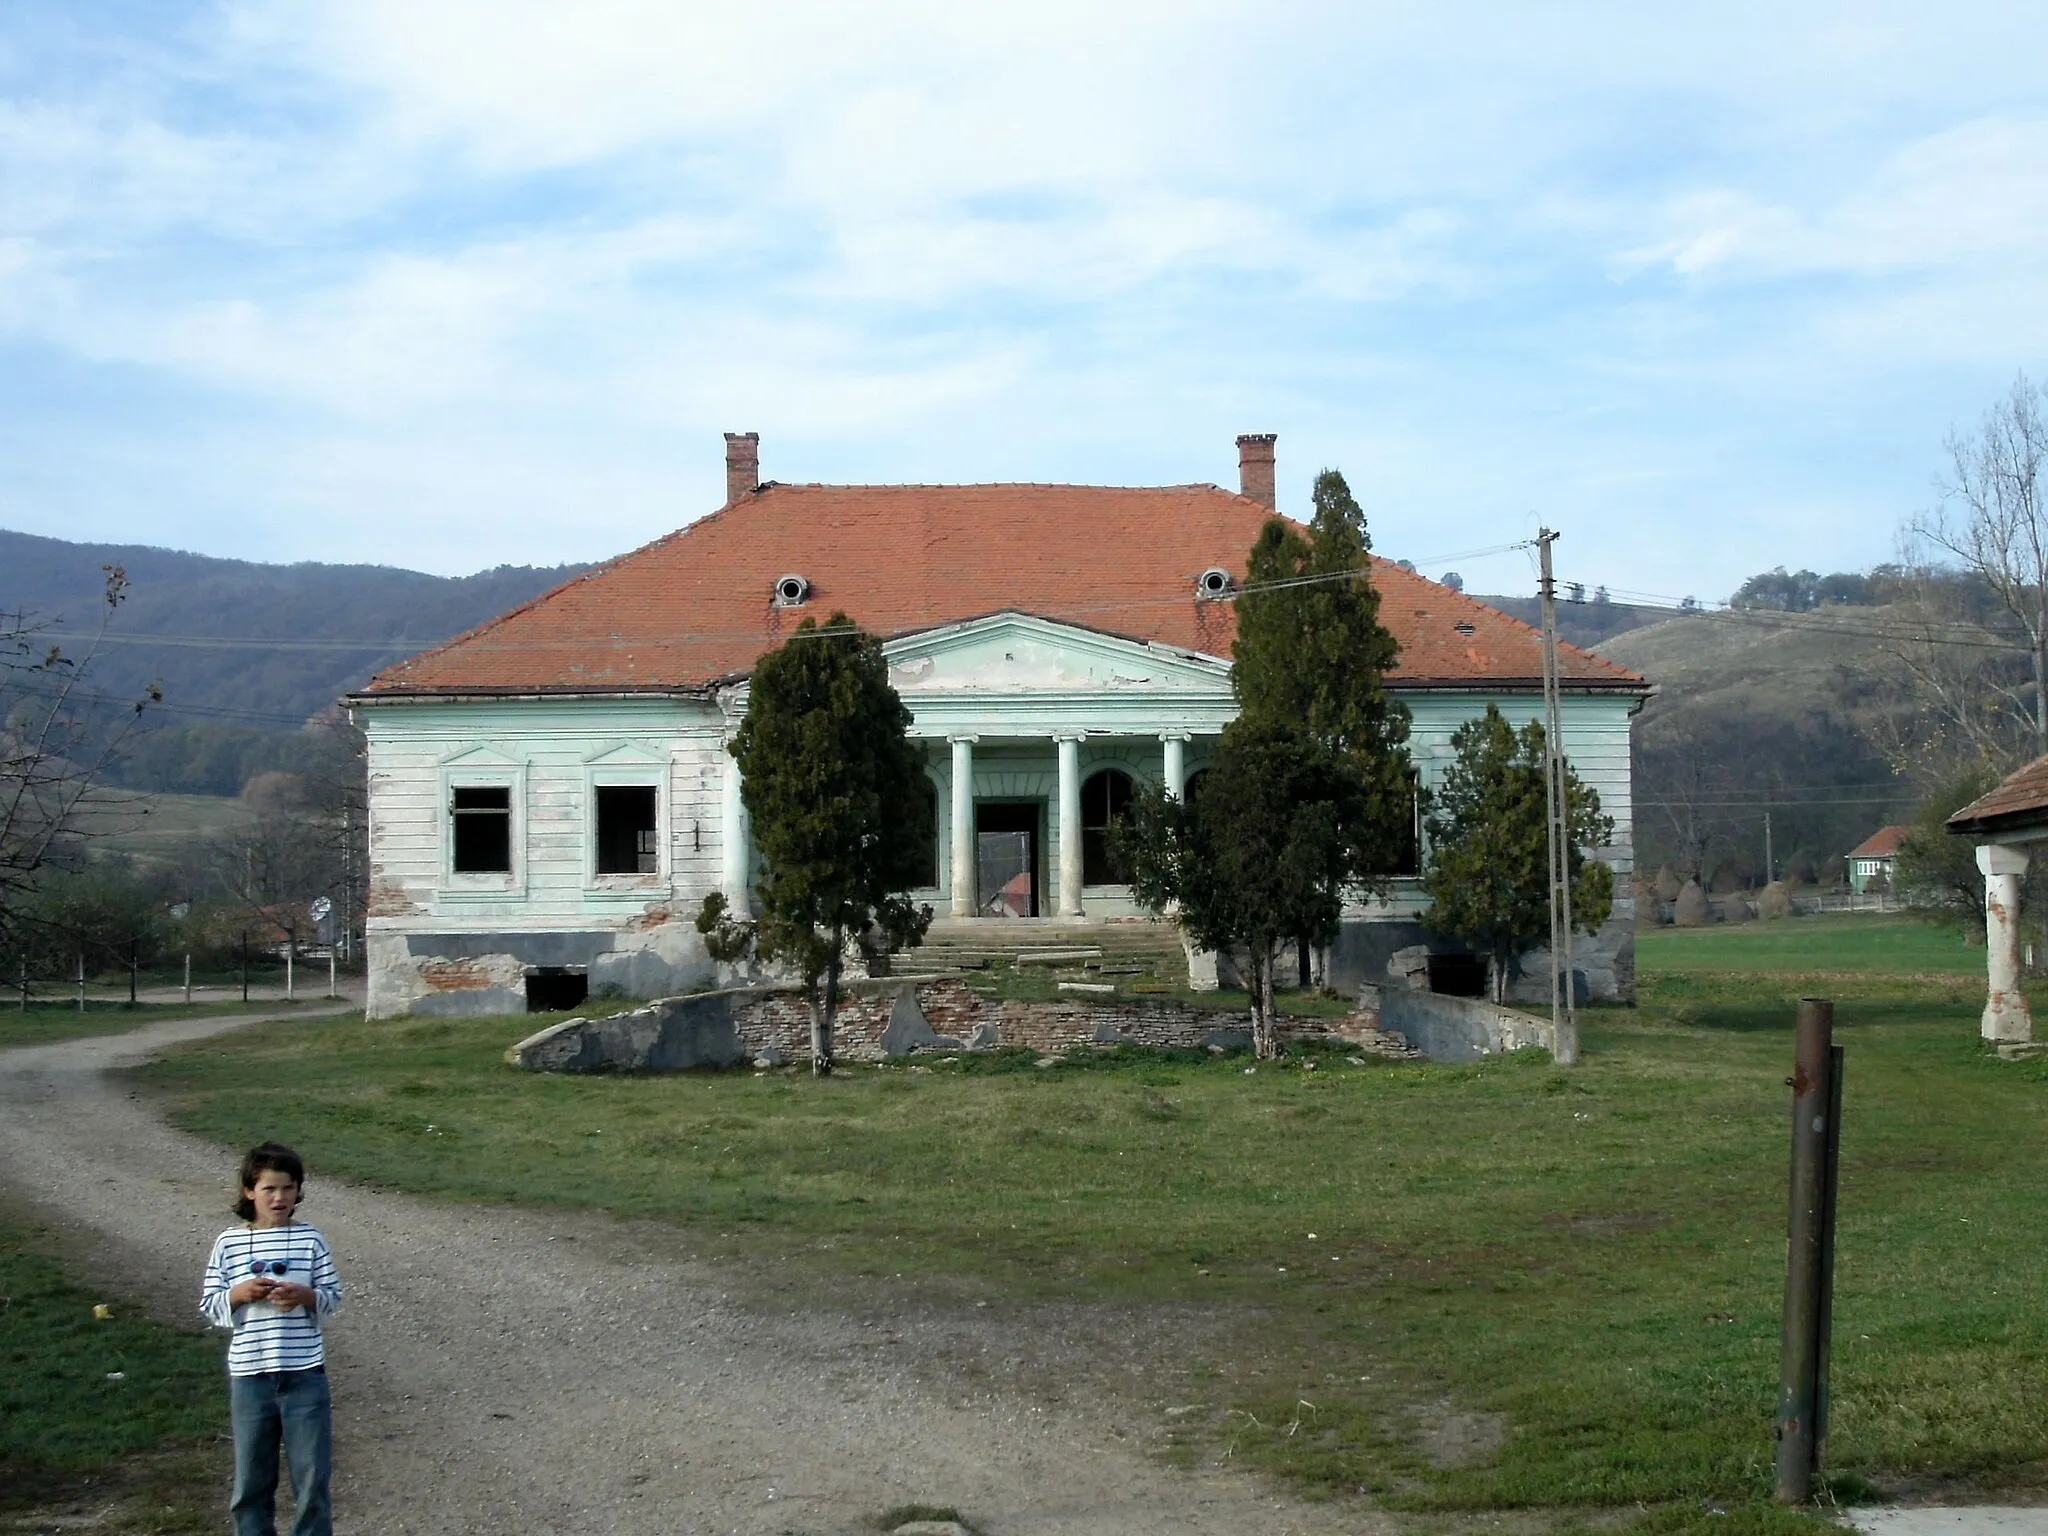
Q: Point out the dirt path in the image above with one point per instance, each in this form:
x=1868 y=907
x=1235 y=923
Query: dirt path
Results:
x=502 y=1371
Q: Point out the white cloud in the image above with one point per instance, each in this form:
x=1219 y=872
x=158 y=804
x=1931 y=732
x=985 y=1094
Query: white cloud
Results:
x=472 y=255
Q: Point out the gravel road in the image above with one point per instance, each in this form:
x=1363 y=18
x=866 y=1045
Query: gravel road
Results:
x=500 y=1370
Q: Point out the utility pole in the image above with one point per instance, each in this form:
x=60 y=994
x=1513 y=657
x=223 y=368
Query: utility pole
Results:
x=1564 y=1011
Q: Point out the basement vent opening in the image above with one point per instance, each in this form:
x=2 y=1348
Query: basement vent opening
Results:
x=1214 y=583
x=792 y=592
x=556 y=988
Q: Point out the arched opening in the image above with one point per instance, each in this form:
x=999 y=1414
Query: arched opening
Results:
x=1105 y=797
x=1193 y=786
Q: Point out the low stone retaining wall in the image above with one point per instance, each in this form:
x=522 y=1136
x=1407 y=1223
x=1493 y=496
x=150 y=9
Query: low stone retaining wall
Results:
x=885 y=1018
x=1454 y=1028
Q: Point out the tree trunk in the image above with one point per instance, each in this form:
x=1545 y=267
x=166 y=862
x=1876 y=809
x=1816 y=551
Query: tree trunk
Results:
x=825 y=1013
x=2041 y=695
x=1264 y=1046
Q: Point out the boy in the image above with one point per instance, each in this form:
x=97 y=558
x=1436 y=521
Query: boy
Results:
x=272 y=1280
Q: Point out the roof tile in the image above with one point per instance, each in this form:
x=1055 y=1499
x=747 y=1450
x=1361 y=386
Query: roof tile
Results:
x=697 y=605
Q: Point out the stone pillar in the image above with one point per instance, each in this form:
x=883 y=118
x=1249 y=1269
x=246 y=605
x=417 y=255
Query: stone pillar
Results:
x=2005 y=1009
x=1070 y=824
x=964 y=869
x=1175 y=774
x=736 y=875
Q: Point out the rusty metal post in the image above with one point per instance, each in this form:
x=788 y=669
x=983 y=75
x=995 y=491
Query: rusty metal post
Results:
x=1807 y=1253
x=1831 y=1182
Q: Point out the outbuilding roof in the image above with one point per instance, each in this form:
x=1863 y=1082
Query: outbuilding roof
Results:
x=699 y=605
x=1881 y=844
x=2019 y=803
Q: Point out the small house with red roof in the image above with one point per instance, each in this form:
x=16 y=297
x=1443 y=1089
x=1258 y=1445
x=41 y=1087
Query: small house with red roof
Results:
x=551 y=799
x=1871 y=861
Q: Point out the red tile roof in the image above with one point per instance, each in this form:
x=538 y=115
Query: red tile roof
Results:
x=2020 y=801
x=1881 y=844
x=697 y=606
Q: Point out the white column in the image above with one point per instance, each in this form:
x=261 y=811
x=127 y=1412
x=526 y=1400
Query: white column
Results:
x=2005 y=1009
x=964 y=871
x=1070 y=825
x=1175 y=775
x=736 y=874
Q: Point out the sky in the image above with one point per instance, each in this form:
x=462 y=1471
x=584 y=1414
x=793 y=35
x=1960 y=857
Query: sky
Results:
x=451 y=284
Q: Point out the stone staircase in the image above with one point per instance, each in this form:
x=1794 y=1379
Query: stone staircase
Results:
x=1125 y=951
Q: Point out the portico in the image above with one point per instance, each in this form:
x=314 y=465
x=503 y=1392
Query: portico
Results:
x=1039 y=733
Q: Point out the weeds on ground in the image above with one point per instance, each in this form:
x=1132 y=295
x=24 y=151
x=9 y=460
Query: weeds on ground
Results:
x=116 y=1418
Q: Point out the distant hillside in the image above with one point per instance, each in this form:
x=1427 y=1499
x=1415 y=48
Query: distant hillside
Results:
x=244 y=651
x=1584 y=624
x=1761 y=713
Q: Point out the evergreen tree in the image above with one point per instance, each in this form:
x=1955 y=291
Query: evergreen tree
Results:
x=1489 y=876
x=1311 y=651
x=834 y=786
x=1261 y=857
x=1312 y=655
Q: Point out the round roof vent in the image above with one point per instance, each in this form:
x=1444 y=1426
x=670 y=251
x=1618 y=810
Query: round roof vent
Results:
x=1213 y=583
x=791 y=591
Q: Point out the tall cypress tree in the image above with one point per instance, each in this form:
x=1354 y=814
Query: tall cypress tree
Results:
x=835 y=789
x=1311 y=651
x=1312 y=655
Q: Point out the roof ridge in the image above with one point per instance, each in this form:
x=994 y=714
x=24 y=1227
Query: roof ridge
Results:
x=996 y=485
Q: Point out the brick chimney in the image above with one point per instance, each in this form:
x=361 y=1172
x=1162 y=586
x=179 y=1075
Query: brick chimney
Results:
x=743 y=465
x=1255 y=467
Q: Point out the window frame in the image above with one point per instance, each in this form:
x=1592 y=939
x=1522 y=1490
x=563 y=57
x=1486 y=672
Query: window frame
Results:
x=627 y=776
x=508 y=882
x=1090 y=774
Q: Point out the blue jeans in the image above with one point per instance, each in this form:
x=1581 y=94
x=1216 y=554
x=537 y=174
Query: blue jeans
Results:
x=291 y=1409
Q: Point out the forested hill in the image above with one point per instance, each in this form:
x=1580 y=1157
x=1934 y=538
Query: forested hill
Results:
x=245 y=652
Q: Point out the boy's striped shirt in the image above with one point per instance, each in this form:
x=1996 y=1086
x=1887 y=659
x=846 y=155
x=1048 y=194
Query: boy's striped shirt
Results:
x=267 y=1339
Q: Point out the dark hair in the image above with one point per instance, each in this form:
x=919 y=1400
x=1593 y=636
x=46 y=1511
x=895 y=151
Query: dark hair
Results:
x=270 y=1157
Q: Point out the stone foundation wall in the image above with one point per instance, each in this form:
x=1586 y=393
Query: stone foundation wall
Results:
x=882 y=1019
x=481 y=971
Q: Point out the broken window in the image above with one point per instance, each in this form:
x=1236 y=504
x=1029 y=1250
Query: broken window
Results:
x=482 y=819
x=1401 y=854
x=626 y=835
x=1105 y=798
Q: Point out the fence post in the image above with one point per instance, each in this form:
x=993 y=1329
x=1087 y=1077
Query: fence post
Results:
x=24 y=986
x=1801 y=1426
x=133 y=959
x=330 y=972
x=81 y=983
x=245 y=965
x=188 y=978
x=288 y=948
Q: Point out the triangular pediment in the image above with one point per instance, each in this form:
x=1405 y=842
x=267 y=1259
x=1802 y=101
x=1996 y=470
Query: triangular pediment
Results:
x=1021 y=653
x=624 y=754
x=482 y=755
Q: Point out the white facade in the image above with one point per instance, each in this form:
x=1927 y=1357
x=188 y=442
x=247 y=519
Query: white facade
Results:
x=1018 y=714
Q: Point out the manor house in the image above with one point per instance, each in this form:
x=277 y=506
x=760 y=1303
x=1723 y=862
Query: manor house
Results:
x=550 y=798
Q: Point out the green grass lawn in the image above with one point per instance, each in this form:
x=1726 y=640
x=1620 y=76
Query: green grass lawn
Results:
x=1835 y=943
x=1590 y=1260
x=141 y=1451
x=49 y=1023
